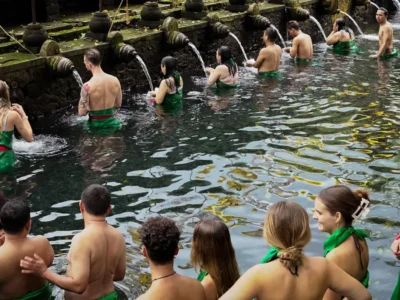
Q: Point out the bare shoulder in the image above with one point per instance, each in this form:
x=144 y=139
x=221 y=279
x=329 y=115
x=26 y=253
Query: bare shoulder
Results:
x=221 y=68
x=113 y=78
x=319 y=263
x=40 y=240
x=13 y=116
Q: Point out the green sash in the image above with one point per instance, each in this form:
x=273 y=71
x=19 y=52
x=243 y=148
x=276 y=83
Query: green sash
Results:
x=396 y=293
x=345 y=47
x=201 y=276
x=389 y=53
x=172 y=102
x=273 y=253
x=221 y=85
x=339 y=236
x=7 y=158
x=111 y=296
x=103 y=121
x=44 y=293
x=270 y=74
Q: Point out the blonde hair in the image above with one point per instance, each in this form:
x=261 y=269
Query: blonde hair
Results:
x=287 y=228
x=5 y=103
x=212 y=251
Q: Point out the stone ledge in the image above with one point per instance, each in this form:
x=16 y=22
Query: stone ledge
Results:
x=12 y=62
x=74 y=48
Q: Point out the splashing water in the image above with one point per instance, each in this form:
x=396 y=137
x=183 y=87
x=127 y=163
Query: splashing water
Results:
x=280 y=36
x=42 y=145
x=240 y=45
x=377 y=7
x=199 y=57
x=146 y=72
x=319 y=26
x=77 y=78
x=354 y=21
x=397 y=4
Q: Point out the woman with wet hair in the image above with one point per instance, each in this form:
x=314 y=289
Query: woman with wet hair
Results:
x=11 y=116
x=224 y=76
x=289 y=273
x=169 y=94
x=341 y=38
x=213 y=254
x=336 y=208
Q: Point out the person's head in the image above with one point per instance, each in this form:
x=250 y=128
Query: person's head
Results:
x=224 y=57
x=212 y=251
x=336 y=206
x=270 y=35
x=3 y=201
x=381 y=15
x=95 y=201
x=92 y=59
x=168 y=66
x=293 y=28
x=15 y=216
x=287 y=228
x=160 y=238
x=339 y=24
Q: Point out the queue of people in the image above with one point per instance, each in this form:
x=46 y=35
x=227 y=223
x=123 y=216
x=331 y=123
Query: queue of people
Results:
x=97 y=256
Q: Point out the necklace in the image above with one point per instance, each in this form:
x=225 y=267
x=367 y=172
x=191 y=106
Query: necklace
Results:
x=163 y=276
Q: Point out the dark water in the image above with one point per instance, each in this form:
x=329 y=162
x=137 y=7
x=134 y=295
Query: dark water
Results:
x=232 y=155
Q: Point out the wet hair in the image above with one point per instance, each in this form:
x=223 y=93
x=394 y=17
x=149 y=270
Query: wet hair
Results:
x=96 y=199
x=14 y=216
x=271 y=33
x=5 y=103
x=212 y=251
x=293 y=25
x=160 y=236
x=340 y=198
x=3 y=201
x=169 y=63
x=227 y=60
x=287 y=228
x=385 y=11
x=341 y=24
x=93 y=55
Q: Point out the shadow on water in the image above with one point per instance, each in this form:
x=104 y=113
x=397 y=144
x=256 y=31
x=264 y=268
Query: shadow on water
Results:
x=232 y=155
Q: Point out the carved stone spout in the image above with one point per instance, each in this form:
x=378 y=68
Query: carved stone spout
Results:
x=125 y=52
x=298 y=14
x=260 y=22
x=174 y=37
x=60 y=65
x=220 y=30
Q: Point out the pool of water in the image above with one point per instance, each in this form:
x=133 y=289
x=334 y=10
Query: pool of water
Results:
x=229 y=154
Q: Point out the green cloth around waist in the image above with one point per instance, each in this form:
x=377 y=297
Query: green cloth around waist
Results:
x=172 y=103
x=345 y=47
x=111 y=296
x=44 y=293
x=103 y=126
x=221 y=85
x=389 y=53
x=270 y=74
x=7 y=158
x=396 y=292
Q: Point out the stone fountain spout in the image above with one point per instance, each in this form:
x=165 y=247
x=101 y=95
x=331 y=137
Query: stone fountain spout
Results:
x=260 y=22
x=121 y=50
x=60 y=65
x=298 y=14
x=170 y=27
x=220 y=30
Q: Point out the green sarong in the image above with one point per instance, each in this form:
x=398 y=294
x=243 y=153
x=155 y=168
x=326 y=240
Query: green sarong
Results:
x=7 y=156
x=339 y=236
x=172 y=103
x=345 y=47
x=396 y=293
x=389 y=53
x=44 y=293
x=270 y=74
x=201 y=276
x=111 y=296
x=103 y=121
x=221 y=85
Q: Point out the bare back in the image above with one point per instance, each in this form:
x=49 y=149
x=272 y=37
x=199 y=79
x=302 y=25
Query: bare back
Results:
x=103 y=248
x=13 y=283
x=304 y=46
x=176 y=287
x=386 y=35
x=271 y=56
x=104 y=90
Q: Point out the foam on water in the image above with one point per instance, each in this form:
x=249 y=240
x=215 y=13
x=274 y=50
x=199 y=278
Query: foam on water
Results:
x=42 y=145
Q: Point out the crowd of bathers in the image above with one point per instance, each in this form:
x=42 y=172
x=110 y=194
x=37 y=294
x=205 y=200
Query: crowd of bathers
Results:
x=97 y=256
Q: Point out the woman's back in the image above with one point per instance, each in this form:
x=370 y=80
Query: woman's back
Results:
x=226 y=76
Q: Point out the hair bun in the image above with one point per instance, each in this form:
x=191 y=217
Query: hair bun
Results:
x=362 y=194
x=291 y=257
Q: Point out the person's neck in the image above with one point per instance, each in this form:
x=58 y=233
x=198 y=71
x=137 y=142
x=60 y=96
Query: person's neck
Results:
x=336 y=228
x=15 y=238
x=93 y=220
x=158 y=271
x=383 y=23
x=269 y=43
x=97 y=71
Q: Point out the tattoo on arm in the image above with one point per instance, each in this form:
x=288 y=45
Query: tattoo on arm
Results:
x=84 y=95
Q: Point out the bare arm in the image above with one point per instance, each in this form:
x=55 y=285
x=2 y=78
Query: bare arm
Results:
x=385 y=42
x=21 y=122
x=245 y=288
x=119 y=273
x=333 y=38
x=84 y=100
x=260 y=59
x=294 y=48
x=118 y=100
x=162 y=91
x=214 y=75
x=343 y=284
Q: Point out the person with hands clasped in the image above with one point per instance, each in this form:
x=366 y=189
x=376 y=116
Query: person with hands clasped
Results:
x=11 y=116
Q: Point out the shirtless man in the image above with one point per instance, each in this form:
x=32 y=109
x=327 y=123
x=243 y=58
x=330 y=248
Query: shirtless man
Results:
x=16 y=221
x=302 y=48
x=160 y=238
x=101 y=95
x=386 y=49
x=269 y=58
x=2 y=234
x=97 y=256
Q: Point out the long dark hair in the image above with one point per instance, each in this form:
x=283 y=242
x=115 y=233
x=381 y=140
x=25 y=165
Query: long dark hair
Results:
x=227 y=60
x=341 y=24
x=170 y=71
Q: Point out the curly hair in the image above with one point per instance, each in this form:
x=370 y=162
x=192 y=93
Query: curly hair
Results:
x=160 y=236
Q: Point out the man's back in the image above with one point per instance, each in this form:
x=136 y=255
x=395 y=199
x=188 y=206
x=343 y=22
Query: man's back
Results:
x=103 y=91
x=272 y=58
x=103 y=247
x=176 y=287
x=13 y=283
x=304 y=46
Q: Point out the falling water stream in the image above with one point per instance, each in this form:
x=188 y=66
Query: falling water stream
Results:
x=146 y=72
x=354 y=21
x=240 y=45
x=377 y=7
x=397 y=4
x=77 y=78
x=199 y=57
x=319 y=25
x=280 y=36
